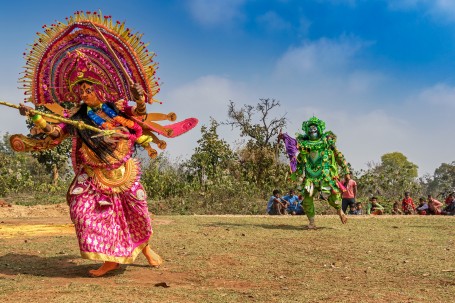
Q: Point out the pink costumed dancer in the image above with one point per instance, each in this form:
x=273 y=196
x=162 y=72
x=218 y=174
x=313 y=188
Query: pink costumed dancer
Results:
x=93 y=66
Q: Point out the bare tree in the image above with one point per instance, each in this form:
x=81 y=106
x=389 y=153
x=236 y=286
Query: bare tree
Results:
x=264 y=129
x=259 y=156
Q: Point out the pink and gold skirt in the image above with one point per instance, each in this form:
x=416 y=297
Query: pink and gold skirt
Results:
x=109 y=226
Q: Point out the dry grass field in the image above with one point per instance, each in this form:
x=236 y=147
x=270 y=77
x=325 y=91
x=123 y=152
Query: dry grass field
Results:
x=236 y=259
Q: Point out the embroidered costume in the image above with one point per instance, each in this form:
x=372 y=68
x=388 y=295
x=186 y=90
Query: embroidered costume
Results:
x=315 y=162
x=92 y=58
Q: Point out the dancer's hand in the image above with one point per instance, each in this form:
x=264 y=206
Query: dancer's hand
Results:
x=24 y=110
x=137 y=91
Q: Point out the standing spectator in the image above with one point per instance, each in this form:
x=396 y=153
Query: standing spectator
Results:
x=276 y=204
x=294 y=208
x=408 y=205
x=396 y=209
x=348 y=196
x=374 y=208
x=434 y=206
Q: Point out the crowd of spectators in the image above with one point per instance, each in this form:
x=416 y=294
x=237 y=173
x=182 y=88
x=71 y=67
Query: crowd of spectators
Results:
x=429 y=206
x=289 y=204
x=292 y=204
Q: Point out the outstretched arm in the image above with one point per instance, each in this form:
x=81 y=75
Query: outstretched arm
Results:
x=52 y=131
x=341 y=161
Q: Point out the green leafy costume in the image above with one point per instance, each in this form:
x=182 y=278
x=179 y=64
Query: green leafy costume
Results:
x=316 y=164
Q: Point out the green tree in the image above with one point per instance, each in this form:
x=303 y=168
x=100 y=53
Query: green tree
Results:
x=212 y=157
x=163 y=178
x=18 y=171
x=56 y=160
x=443 y=180
x=390 y=178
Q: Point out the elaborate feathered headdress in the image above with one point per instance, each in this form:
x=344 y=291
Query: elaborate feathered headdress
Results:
x=65 y=47
x=91 y=47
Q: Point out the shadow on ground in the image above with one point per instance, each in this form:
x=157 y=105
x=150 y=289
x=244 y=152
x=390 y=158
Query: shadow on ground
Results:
x=59 y=266
x=265 y=226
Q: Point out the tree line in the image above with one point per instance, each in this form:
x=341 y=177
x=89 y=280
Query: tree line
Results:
x=217 y=178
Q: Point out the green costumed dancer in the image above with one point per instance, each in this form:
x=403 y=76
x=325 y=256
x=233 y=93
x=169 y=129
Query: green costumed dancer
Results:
x=315 y=164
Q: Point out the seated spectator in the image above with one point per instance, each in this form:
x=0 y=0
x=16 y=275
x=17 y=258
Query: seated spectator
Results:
x=352 y=210
x=450 y=198
x=396 y=209
x=434 y=206
x=374 y=208
x=358 y=208
x=422 y=209
x=408 y=205
x=276 y=204
x=449 y=209
x=295 y=207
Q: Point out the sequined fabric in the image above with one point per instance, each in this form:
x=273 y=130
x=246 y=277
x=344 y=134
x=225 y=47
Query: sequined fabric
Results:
x=109 y=227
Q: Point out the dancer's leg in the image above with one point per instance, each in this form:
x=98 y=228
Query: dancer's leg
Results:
x=333 y=198
x=308 y=207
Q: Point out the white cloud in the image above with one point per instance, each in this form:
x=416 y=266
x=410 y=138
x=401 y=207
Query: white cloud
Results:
x=273 y=22
x=438 y=95
x=327 y=78
x=416 y=129
x=439 y=9
x=203 y=98
x=429 y=113
x=321 y=56
x=219 y=12
x=327 y=70
x=362 y=136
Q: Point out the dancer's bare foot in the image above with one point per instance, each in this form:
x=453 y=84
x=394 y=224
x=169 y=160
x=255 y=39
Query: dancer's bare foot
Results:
x=311 y=225
x=104 y=269
x=152 y=257
x=343 y=217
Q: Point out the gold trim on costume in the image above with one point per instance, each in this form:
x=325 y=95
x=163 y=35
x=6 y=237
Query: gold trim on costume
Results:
x=118 y=180
x=21 y=143
x=121 y=260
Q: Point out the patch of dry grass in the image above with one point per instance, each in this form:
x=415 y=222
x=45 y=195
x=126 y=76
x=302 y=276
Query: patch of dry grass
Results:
x=247 y=259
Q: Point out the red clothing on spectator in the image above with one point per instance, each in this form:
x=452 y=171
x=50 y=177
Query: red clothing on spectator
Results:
x=407 y=203
x=349 y=193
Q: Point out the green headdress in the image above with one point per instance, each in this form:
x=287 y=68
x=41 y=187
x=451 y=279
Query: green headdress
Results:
x=313 y=121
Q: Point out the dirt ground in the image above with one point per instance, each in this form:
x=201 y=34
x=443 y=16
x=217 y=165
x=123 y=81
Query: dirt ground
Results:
x=235 y=259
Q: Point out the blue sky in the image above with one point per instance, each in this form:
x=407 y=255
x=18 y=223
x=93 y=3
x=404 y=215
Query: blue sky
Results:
x=379 y=72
